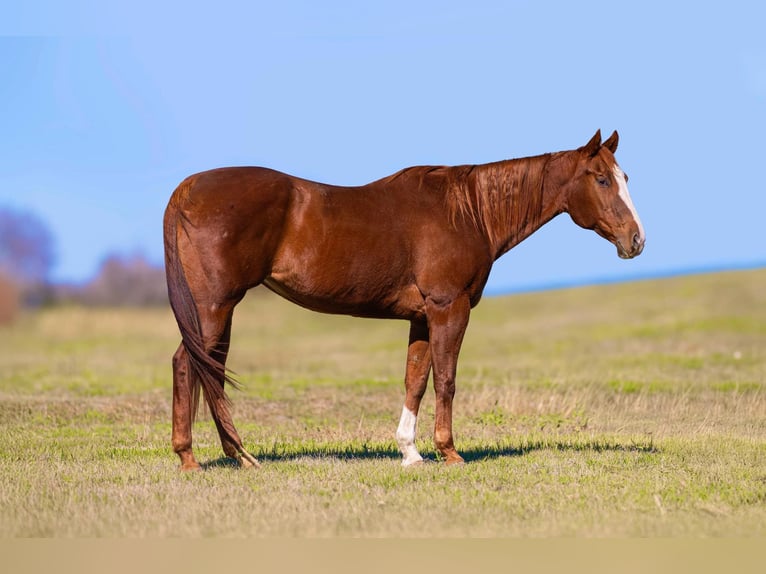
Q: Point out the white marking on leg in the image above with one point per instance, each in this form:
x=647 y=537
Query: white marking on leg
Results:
x=405 y=437
x=622 y=187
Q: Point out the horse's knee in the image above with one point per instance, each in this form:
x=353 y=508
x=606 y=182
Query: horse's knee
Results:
x=445 y=387
x=181 y=444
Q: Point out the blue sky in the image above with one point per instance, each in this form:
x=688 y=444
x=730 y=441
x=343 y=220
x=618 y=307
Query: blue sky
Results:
x=105 y=108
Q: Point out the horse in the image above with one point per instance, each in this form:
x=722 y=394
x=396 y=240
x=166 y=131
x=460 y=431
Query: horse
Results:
x=417 y=245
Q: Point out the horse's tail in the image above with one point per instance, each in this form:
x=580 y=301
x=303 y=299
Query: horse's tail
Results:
x=204 y=369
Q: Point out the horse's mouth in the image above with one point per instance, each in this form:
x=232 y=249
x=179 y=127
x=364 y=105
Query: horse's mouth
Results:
x=635 y=251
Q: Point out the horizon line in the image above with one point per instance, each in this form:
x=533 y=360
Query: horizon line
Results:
x=626 y=278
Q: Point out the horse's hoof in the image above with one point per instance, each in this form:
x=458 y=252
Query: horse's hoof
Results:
x=412 y=463
x=190 y=467
x=244 y=463
x=247 y=460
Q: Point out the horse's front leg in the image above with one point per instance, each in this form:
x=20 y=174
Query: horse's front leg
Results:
x=446 y=323
x=415 y=381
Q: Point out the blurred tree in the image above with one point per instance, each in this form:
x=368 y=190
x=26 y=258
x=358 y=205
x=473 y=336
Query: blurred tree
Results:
x=126 y=281
x=26 y=253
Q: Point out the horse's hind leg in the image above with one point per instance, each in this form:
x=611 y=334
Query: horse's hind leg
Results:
x=184 y=404
x=216 y=325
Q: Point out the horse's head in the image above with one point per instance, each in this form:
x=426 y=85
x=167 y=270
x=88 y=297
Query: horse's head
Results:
x=598 y=197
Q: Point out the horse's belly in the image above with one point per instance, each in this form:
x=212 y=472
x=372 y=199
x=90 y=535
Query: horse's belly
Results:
x=361 y=299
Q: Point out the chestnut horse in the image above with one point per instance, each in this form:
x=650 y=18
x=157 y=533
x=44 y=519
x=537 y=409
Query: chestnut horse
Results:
x=417 y=245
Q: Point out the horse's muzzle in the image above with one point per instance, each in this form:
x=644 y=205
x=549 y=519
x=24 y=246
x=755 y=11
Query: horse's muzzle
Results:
x=636 y=247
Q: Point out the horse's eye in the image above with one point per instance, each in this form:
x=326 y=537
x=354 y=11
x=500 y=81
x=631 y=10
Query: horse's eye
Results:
x=602 y=180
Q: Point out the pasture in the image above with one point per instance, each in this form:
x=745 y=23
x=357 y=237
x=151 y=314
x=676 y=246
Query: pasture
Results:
x=632 y=409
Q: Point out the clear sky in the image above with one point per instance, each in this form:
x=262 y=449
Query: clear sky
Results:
x=106 y=106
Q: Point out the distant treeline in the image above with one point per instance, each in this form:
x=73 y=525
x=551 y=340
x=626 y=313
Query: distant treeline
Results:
x=27 y=254
x=122 y=281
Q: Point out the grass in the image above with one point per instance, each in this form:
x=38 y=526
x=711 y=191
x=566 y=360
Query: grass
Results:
x=622 y=410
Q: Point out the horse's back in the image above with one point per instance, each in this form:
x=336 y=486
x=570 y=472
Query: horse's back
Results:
x=207 y=189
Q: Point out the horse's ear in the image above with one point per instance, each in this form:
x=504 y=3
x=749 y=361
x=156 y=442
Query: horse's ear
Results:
x=611 y=143
x=591 y=148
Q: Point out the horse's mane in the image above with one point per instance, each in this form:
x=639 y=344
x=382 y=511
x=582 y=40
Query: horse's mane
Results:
x=500 y=199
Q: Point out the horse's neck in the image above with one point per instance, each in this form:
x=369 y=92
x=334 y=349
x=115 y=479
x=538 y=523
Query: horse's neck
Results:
x=518 y=197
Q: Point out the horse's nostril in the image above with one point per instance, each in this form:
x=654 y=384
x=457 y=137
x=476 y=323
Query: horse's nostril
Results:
x=636 y=240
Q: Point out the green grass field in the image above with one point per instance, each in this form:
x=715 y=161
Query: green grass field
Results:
x=620 y=410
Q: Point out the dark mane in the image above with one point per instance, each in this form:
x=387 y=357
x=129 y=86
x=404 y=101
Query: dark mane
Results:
x=500 y=199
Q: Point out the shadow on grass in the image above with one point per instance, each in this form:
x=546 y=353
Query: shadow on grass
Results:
x=486 y=453
x=469 y=453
